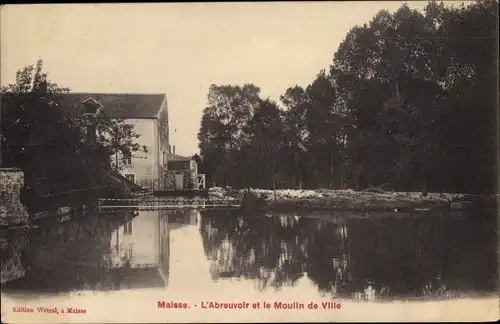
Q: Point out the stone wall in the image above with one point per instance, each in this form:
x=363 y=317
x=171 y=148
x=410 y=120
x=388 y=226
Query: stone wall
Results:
x=11 y=209
x=12 y=269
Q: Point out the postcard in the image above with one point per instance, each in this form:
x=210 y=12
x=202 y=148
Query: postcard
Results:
x=330 y=161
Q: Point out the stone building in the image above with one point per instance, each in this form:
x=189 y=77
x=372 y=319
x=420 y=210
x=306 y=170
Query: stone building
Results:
x=182 y=172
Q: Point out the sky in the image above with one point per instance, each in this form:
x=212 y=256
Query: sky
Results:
x=180 y=49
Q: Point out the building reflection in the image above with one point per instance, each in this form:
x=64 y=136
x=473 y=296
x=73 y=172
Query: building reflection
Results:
x=189 y=270
x=183 y=217
x=140 y=250
x=101 y=252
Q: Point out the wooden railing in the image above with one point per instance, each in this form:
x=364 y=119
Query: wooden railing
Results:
x=201 y=181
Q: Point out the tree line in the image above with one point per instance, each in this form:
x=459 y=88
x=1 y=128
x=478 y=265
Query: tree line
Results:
x=408 y=103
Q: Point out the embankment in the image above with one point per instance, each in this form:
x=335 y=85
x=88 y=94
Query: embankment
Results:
x=349 y=200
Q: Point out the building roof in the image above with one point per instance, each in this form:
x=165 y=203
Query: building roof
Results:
x=119 y=105
x=175 y=157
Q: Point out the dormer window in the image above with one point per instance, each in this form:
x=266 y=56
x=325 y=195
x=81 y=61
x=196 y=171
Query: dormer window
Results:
x=91 y=107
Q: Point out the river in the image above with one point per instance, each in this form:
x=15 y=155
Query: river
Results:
x=234 y=256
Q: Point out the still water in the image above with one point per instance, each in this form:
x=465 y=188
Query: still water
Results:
x=411 y=257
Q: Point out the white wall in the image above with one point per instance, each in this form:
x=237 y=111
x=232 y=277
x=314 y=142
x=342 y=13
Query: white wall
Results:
x=145 y=165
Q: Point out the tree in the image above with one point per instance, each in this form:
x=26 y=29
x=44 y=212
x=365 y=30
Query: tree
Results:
x=265 y=129
x=223 y=130
x=51 y=146
x=323 y=125
x=312 y=130
x=118 y=138
x=409 y=103
x=296 y=133
x=472 y=86
x=397 y=77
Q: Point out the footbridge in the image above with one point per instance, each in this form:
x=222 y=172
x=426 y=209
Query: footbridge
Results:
x=156 y=203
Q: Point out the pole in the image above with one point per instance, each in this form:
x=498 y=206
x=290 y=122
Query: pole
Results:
x=1 y=131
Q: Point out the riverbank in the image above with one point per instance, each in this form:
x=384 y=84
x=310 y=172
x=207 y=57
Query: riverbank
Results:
x=347 y=200
x=58 y=215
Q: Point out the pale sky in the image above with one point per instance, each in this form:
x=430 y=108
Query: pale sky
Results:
x=180 y=49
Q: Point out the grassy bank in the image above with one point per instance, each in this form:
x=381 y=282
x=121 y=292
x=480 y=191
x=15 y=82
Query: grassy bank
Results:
x=324 y=199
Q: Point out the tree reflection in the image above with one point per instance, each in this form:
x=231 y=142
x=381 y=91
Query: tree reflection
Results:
x=73 y=255
x=356 y=258
x=271 y=249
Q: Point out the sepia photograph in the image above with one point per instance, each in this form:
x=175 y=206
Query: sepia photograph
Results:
x=306 y=161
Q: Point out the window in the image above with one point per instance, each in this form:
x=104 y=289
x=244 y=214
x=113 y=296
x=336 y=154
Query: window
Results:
x=130 y=177
x=127 y=228
x=90 y=110
x=127 y=158
x=91 y=106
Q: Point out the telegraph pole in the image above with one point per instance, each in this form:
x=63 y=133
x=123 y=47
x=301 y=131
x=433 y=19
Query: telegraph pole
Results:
x=1 y=133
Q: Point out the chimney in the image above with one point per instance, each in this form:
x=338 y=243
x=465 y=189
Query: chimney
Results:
x=173 y=149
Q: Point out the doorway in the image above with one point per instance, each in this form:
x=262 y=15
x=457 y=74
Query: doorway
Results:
x=179 y=181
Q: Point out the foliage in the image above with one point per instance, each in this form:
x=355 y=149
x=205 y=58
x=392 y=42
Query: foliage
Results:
x=118 y=138
x=239 y=131
x=54 y=148
x=409 y=101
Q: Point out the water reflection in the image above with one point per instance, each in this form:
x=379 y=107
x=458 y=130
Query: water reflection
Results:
x=424 y=256
x=188 y=251
x=189 y=271
x=102 y=252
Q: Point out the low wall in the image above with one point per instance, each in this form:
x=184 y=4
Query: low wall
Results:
x=11 y=209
